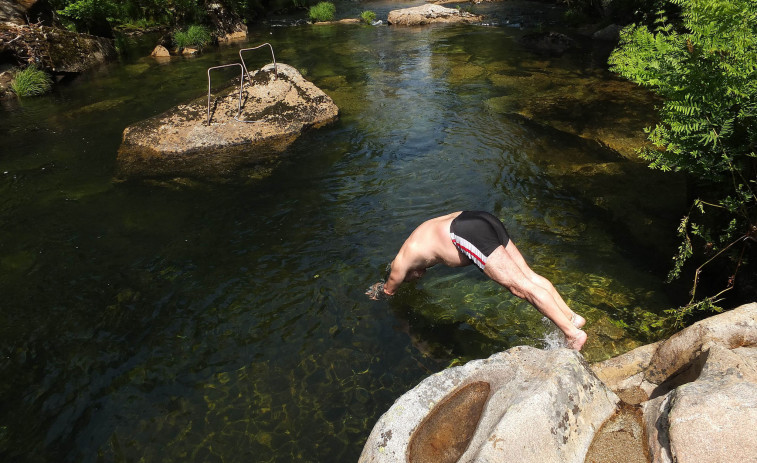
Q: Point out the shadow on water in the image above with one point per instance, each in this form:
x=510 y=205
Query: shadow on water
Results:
x=229 y=321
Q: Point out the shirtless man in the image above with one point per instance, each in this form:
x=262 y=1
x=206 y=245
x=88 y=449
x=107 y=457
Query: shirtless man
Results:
x=474 y=237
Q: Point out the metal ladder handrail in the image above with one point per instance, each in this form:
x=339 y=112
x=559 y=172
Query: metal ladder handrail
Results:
x=241 y=84
x=275 y=71
x=244 y=72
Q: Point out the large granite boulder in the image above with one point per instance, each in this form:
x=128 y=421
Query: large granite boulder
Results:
x=275 y=110
x=524 y=405
x=710 y=419
x=228 y=25
x=56 y=50
x=689 y=399
x=697 y=389
x=14 y=12
x=430 y=14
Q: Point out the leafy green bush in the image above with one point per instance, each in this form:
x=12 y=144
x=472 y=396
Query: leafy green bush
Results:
x=322 y=11
x=31 y=81
x=92 y=16
x=706 y=73
x=100 y=16
x=194 y=36
x=368 y=17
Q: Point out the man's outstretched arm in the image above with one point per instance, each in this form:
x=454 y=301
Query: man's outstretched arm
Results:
x=396 y=277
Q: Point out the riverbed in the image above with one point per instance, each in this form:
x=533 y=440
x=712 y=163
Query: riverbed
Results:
x=227 y=321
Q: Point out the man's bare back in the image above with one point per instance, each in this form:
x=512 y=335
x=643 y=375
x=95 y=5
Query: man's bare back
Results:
x=427 y=245
x=432 y=243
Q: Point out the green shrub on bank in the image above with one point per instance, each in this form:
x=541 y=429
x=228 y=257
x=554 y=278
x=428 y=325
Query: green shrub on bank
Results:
x=194 y=36
x=100 y=17
x=31 y=82
x=323 y=11
x=705 y=70
x=90 y=16
x=368 y=17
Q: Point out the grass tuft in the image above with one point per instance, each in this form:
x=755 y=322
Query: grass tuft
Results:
x=368 y=16
x=323 y=11
x=194 y=36
x=31 y=81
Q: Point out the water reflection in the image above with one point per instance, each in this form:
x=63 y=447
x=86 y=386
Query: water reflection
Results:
x=229 y=322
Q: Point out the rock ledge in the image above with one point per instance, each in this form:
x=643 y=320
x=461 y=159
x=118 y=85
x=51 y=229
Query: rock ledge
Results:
x=689 y=399
x=278 y=107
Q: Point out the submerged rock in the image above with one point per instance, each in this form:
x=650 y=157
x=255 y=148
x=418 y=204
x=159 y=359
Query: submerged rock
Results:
x=275 y=110
x=430 y=14
x=550 y=42
x=524 y=405
x=613 y=112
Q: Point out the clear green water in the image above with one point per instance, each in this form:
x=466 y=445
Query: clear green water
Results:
x=228 y=322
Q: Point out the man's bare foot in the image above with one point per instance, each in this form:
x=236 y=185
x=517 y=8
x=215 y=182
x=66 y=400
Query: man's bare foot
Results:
x=577 y=320
x=576 y=342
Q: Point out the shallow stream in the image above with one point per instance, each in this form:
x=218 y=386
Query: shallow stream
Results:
x=228 y=322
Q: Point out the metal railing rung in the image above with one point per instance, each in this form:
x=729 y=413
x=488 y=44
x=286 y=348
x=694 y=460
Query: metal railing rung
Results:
x=241 y=83
x=243 y=72
x=275 y=71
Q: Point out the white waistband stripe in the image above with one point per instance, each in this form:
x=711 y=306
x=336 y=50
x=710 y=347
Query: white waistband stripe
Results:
x=469 y=250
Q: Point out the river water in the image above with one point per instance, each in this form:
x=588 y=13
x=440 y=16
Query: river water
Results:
x=228 y=321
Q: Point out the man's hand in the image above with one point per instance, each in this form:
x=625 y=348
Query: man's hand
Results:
x=376 y=291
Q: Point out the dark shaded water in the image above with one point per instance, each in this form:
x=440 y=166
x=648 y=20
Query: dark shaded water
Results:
x=228 y=322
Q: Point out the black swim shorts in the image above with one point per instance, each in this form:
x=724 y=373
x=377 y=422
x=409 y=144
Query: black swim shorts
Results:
x=477 y=234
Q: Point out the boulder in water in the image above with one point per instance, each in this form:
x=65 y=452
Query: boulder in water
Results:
x=275 y=110
x=430 y=14
x=160 y=52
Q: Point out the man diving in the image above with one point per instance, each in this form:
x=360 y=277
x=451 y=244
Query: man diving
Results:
x=474 y=237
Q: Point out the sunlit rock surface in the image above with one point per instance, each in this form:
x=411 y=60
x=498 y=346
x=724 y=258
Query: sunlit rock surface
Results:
x=525 y=405
x=430 y=14
x=180 y=142
x=697 y=389
x=690 y=398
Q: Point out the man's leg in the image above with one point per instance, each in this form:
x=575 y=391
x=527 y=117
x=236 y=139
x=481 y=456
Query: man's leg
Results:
x=539 y=280
x=501 y=268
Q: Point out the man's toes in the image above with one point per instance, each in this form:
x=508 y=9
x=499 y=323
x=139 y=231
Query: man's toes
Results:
x=577 y=342
x=578 y=321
